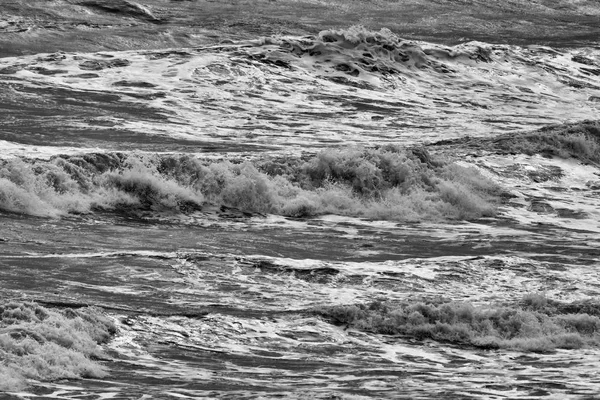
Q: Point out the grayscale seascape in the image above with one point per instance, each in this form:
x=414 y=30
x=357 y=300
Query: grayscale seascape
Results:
x=303 y=199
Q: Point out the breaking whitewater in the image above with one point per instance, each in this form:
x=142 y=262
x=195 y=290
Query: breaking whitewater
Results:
x=349 y=215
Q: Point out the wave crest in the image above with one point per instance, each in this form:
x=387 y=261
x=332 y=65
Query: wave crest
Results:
x=384 y=183
x=527 y=327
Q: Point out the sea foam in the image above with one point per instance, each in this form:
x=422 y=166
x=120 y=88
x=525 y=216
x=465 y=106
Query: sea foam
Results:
x=386 y=183
x=41 y=344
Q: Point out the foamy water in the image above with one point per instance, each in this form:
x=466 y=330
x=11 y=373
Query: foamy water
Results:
x=188 y=205
x=292 y=94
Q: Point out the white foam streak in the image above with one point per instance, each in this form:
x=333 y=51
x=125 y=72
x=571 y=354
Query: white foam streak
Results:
x=570 y=189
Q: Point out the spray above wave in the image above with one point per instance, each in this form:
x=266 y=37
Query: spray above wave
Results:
x=384 y=183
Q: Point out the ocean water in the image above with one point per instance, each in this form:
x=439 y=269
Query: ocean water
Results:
x=347 y=215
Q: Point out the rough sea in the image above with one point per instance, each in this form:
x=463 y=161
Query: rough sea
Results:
x=349 y=213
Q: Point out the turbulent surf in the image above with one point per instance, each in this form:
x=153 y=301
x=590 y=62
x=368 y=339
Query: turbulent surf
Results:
x=340 y=213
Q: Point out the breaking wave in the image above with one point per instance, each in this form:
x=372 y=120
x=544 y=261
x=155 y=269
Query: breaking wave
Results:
x=43 y=344
x=580 y=140
x=358 y=51
x=537 y=325
x=384 y=183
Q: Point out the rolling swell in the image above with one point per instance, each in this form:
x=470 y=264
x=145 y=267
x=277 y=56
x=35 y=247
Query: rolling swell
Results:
x=384 y=183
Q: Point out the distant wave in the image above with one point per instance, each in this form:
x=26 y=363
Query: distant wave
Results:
x=357 y=52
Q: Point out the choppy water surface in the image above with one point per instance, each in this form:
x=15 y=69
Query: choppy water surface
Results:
x=226 y=309
x=287 y=94
x=211 y=300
